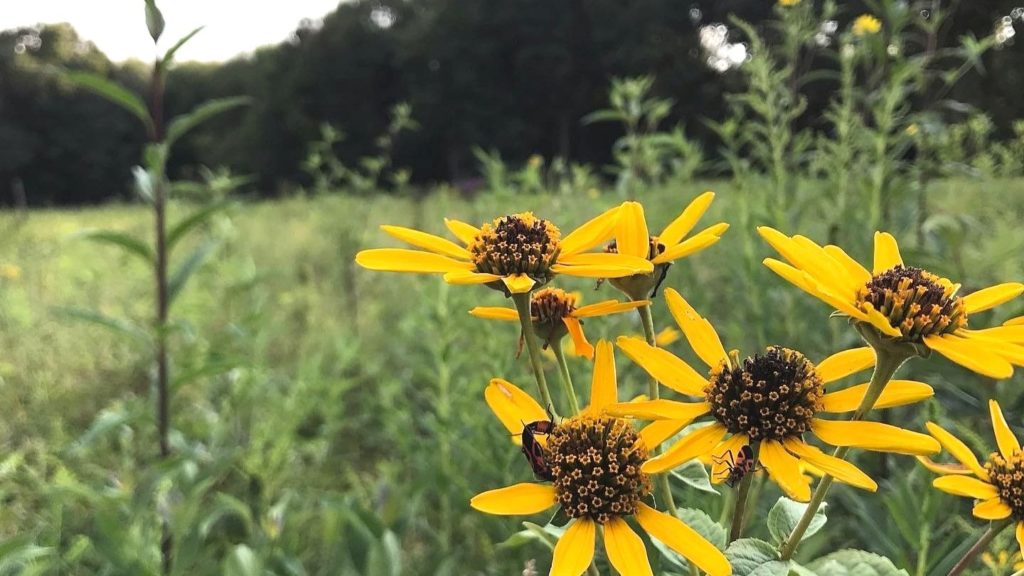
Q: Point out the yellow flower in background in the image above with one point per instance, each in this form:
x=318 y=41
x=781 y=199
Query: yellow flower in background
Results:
x=10 y=271
x=595 y=467
x=668 y=335
x=866 y=24
x=556 y=313
x=912 y=130
x=632 y=238
x=535 y=161
x=515 y=253
x=998 y=485
x=768 y=401
x=903 y=303
x=788 y=3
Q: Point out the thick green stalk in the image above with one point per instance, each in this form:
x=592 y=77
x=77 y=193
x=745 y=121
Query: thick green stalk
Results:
x=661 y=480
x=563 y=371
x=993 y=530
x=522 y=302
x=740 y=508
x=888 y=359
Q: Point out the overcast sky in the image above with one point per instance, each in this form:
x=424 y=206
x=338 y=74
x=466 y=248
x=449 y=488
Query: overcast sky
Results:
x=118 y=26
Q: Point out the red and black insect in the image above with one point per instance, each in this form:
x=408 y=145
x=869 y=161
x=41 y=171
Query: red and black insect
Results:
x=533 y=450
x=737 y=466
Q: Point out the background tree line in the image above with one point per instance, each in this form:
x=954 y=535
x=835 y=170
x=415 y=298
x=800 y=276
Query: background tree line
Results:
x=515 y=77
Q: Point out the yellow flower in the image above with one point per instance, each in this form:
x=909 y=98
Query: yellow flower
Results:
x=515 y=253
x=904 y=303
x=667 y=336
x=912 y=130
x=10 y=271
x=998 y=485
x=768 y=401
x=573 y=450
x=535 y=161
x=632 y=238
x=866 y=24
x=554 y=313
x=788 y=3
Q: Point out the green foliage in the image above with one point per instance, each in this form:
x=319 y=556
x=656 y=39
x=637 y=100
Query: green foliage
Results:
x=784 y=516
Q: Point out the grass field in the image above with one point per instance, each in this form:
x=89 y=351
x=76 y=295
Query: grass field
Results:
x=340 y=410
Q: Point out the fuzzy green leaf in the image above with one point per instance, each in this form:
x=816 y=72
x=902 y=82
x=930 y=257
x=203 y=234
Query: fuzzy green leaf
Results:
x=114 y=93
x=855 y=563
x=154 y=20
x=748 y=555
x=242 y=561
x=695 y=475
x=181 y=125
x=187 y=268
x=786 y=514
x=169 y=55
x=128 y=243
x=183 y=226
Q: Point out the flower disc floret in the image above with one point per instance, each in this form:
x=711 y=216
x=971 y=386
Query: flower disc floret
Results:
x=770 y=396
x=1007 y=475
x=516 y=244
x=595 y=463
x=551 y=305
x=915 y=301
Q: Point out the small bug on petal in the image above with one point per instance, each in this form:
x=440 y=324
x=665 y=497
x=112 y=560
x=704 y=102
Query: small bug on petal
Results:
x=737 y=467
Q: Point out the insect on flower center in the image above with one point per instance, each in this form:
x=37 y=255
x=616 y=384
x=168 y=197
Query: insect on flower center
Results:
x=595 y=463
x=915 y=301
x=655 y=249
x=1007 y=475
x=768 y=396
x=516 y=244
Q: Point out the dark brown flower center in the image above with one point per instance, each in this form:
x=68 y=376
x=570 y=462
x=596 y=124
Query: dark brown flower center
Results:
x=550 y=305
x=516 y=244
x=1007 y=475
x=915 y=301
x=769 y=396
x=656 y=248
x=595 y=462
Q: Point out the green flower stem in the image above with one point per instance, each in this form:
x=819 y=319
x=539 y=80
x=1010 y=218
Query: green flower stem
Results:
x=522 y=302
x=740 y=508
x=993 y=530
x=661 y=480
x=888 y=358
x=563 y=371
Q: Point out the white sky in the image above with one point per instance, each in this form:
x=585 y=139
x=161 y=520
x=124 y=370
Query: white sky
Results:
x=118 y=26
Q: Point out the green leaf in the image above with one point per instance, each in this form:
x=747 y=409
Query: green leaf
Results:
x=20 y=552
x=169 y=55
x=183 y=226
x=549 y=534
x=144 y=185
x=855 y=563
x=695 y=475
x=118 y=325
x=242 y=562
x=748 y=555
x=181 y=125
x=113 y=92
x=130 y=244
x=109 y=420
x=184 y=271
x=786 y=514
x=154 y=20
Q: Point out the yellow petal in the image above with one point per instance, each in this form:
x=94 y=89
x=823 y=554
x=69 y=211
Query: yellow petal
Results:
x=518 y=283
x=881 y=321
x=992 y=509
x=721 y=455
x=690 y=446
x=598 y=230
x=659 y=431
x=512 y=406
x=631 y=235
x=841 y=469
x=842 y=364
x=966 y=486
x=1018 y=321
x=675 y=534
x=626 y=550
x=806 y=255
x=495 y=313
x=579 y=340
x=957 y=449
x=667 y=336
x=1007 y=442
x=633 y=264
x=853 y=268
x=575 y=549
x=467 y=233
x=887 y=252
x=402 y=260
x=1007 y=332
x=608 y=307
x=1019 y=530
x=971 y=355
x=463 y=277
x=688 y=247
x=602 y=387
x=427 y=241
x=681 y=226
x=659 y=410
x=663 y=366
x=895 y=393
x=808 y=284
x=942 y=468
x=992 y=296
x=516 y=500
x=785 y=470
x=698 y=331
x=873 y=436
